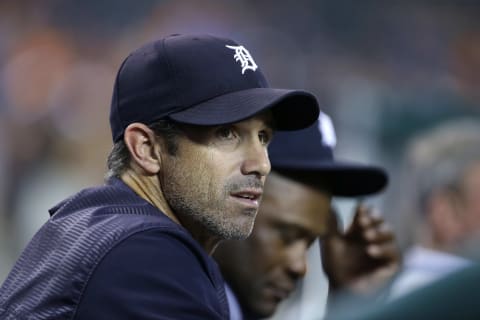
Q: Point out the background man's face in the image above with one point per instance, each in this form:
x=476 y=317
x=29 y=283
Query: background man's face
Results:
x=264 y=268
x=459 y=222
x=214 y=183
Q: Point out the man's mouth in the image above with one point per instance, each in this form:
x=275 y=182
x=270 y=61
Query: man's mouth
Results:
x=278 y=293
x=249 y=197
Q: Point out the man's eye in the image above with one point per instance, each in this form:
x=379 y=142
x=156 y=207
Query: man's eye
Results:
x=287 y=234
x=226 y=133
x=264 y=137
x=289 y=237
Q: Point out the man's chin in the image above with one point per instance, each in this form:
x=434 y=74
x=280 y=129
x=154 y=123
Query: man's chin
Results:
x=265 y=309
x=241 y=229
x=237 y=232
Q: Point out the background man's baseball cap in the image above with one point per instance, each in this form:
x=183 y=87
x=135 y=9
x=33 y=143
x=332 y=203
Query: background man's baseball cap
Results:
x=201 y=80
x=307 y=155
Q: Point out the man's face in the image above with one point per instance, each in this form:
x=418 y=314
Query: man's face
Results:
x=214 y=182
x=263 y=269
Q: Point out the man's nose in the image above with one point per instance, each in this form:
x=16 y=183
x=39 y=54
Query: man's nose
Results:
x=256 y=160
x=297 y=259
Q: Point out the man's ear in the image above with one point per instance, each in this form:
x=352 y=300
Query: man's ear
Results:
x=141 y=142
x=443 y=217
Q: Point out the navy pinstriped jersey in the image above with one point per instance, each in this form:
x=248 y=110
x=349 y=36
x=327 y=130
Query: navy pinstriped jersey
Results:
x=108 y=254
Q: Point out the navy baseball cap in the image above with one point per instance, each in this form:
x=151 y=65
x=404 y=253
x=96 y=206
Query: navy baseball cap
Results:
x=308 y=155
x=201 y=80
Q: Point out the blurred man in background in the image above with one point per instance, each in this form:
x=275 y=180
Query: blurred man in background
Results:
x=296 y=209
x=452 y=297
x=440 y=203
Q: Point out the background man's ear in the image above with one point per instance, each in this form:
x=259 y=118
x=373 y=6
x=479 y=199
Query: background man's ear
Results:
x=444 y=217
x=141 y=142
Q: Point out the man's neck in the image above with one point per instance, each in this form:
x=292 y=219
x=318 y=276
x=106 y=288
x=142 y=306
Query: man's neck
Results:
x=149 y=189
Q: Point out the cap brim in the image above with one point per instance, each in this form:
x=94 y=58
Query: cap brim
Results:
x=292 y=109
x=343 y=179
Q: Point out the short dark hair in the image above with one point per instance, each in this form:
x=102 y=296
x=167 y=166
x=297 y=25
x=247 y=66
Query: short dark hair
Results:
x=119 y=158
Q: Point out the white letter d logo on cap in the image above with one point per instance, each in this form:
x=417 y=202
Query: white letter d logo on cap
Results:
x=242 y=55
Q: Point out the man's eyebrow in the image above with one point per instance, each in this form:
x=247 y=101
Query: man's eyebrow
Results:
x=298 y=228
x=270 y=123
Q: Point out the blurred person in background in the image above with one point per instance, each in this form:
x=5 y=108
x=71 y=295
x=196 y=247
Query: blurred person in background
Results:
x=296 y=210
x=439 y=203
x=191 y=118
x=33 y=66
x=452 y=297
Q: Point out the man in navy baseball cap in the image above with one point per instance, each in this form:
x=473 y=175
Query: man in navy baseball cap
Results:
x=191 y=118
x=263 y=270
